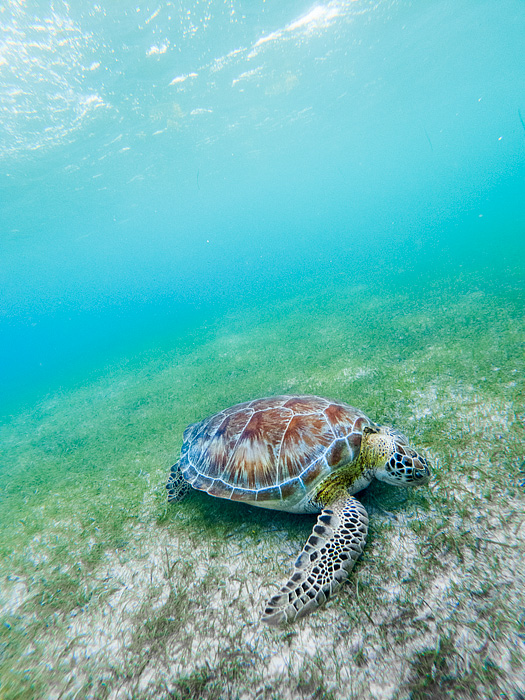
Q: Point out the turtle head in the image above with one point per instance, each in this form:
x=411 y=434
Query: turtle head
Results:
x=387 y=454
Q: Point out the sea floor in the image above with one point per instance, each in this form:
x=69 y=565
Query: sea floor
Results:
x=108 y=592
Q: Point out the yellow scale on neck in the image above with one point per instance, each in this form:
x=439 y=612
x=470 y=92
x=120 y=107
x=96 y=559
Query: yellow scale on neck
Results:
x=372 y=454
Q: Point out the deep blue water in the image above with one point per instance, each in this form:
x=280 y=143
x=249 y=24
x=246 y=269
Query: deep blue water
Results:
x=165 y=163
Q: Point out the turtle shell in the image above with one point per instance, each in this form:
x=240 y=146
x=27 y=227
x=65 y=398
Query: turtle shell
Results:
x=271 y=452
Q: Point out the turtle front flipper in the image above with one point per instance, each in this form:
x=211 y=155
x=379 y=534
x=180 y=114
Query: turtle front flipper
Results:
x=337 y=541
x=177 y=485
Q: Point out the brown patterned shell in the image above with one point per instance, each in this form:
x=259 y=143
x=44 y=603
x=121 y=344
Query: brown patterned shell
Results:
x=271 y=450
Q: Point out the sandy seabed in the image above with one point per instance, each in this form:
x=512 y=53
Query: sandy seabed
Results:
x=107 y=592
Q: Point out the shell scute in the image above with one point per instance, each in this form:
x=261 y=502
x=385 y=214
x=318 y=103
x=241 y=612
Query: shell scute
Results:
x=214 y=448
x=252 y=465
x=190 y=473
x=304 y=442
x=235 y=409
x=338 y=451
x=272 y=494
x=311 y=473
x=306 y=404
x=201 y=482
x=339 y=420
x=240 y=495
x=290 y=488
x=353 y=441
x=220 y=489
x=268 y=403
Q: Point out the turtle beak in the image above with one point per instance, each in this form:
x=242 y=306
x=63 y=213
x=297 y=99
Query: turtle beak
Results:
x=421 y=470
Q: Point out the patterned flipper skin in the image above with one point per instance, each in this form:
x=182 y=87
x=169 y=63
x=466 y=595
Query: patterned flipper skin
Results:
x=337 y=541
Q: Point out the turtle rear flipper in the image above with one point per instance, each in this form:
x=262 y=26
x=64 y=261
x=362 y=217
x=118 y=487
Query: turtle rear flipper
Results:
x=177 y=485
x=328 y=556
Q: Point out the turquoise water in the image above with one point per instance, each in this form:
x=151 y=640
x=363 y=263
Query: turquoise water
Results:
x=202 y=203
x=164 y=164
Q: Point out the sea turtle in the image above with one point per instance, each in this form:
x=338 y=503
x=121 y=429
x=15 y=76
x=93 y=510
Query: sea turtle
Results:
x=301 y=454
